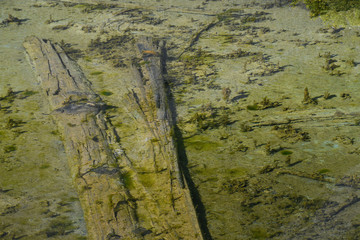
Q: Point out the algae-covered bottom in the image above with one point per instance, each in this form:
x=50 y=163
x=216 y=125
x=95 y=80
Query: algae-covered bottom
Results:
x=268 y=159
x=37 y=199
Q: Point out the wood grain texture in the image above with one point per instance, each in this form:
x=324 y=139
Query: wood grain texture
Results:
x=152 y=100
x=165 y=207
x=109 y=209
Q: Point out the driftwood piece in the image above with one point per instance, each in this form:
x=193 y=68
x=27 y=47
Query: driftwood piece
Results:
x=152 y=100
x=108 y=207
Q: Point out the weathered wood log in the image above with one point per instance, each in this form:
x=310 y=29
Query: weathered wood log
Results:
x=152 y=99
x=110 y=210
x=108 y=207
x=154 y=95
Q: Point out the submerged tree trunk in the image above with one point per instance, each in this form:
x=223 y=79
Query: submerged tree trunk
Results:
x=111 y=212
x=108 y=207
x=151 y=97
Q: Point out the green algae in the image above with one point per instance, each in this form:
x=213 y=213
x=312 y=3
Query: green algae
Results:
x=320 y=7
x=28 y=93
x=147 y=179
x=200 y=58
x=96 y=73
x=55 y=132
x=11 y=123
x=236 y=172
x=80 y=238
x=88 y=7
x=85 y=188
x=286 y=152
x=205 y=171
x=324 y=170
x=210 y=118
x=106 y=93
x=252 y=107
x=343 y=18
x=259 y=233
x=229 y=14
x=10 y=148
x=335 y=12
x=128 y=180
x=59 y=226
x=87 y=59
x=253 y=230
x=201 y=143
x=44 y=166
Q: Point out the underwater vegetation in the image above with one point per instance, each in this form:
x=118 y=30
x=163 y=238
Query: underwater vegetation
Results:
x=255 y=194
x=12 y=19
x=10 y=96
x=226 y=93
x=264 y=104
x=88 y=8
x=27 y=93
x=106 y=93
x=10 y=148
x=260 y=65
x=59 y=226
x=307 y=99
x=286 y=152
x=96 y=73
x=320 y=7
x=209 y=117
x=110 y=49
x=235 y=185
x=63 y=27
x=72 y=52
x=290 y=134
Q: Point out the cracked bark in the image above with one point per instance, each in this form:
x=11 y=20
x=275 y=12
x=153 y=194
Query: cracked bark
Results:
x=108 y=207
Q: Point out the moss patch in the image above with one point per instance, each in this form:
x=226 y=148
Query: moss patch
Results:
x=340 y=12
x=128 y=181
x=44 y=166
x=147 y=180
x=10 y=148
x=96 y=73
x=236 y=172
x=59 y=226
x=200 y=143
x=252 y=107
x=106 y=93
x=343 y=18
x=324 y=170
x=28 y=93
x=286 y=152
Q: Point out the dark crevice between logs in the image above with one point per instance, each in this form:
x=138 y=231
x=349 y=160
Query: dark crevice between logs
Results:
x=182 y=156
x=195 y=195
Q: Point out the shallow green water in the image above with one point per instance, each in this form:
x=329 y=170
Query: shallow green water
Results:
x=285 y=169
